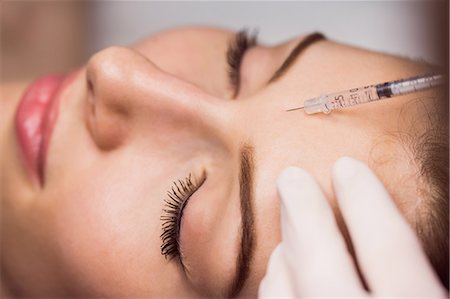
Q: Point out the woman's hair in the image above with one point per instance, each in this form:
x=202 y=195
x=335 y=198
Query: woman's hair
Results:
x=422 y=135
x=430 y=149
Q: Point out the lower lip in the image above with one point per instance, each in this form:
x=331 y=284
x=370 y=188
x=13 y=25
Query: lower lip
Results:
x=35 y=119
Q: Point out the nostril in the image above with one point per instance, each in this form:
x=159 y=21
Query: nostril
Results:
x=91 y=96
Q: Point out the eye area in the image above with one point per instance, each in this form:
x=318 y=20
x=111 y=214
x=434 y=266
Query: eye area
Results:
x=172 y=213
x=238 y=46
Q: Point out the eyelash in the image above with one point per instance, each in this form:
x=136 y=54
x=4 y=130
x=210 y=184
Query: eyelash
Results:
x=242 y=41
x=174 y=205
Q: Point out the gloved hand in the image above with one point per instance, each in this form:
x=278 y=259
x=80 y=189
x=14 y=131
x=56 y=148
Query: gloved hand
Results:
x=312 y=259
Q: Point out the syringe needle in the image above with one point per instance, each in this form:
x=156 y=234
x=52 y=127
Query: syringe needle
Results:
x=294 y=109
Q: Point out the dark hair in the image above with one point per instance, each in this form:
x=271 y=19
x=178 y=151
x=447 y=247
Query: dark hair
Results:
x=430 y=149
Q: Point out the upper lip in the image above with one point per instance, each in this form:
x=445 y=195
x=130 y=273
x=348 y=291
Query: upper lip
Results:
x=35 y=119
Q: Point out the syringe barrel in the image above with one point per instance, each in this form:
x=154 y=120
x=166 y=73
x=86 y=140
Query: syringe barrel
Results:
x=337 y=100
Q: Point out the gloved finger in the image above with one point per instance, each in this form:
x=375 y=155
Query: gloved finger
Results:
x=314 y=247
x=277 y=282
x=388 y=251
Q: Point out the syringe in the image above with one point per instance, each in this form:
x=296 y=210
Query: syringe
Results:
x=370 y=93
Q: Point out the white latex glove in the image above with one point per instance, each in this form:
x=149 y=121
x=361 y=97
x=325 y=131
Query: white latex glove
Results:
x=312 y=259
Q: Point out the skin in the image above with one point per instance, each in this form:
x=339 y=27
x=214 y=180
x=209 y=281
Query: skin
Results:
x=135 y=119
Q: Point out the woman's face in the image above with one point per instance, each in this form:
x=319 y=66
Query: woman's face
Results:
x=133 y=121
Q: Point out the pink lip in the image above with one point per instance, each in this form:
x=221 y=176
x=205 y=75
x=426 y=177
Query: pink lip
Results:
x=35 y=118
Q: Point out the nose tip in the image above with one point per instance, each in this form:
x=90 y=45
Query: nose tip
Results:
x=106 y=83
x=128 y=91
x=108 y=76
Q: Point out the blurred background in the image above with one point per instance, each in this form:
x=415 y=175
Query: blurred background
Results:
x=41 y=37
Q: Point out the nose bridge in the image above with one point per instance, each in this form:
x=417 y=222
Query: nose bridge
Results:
x=126 y=89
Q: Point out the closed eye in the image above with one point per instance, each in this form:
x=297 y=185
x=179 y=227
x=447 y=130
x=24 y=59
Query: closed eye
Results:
x=242 y=41
x=177 y=198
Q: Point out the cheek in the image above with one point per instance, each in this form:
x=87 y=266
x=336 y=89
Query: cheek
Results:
x=193 y=55
x=106 y=237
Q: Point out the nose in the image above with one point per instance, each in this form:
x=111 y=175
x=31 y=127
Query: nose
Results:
x=129 y=95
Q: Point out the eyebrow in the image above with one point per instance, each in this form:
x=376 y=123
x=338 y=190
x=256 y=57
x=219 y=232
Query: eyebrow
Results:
x=246 y=174
x=292 y=57
x=247 y=242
